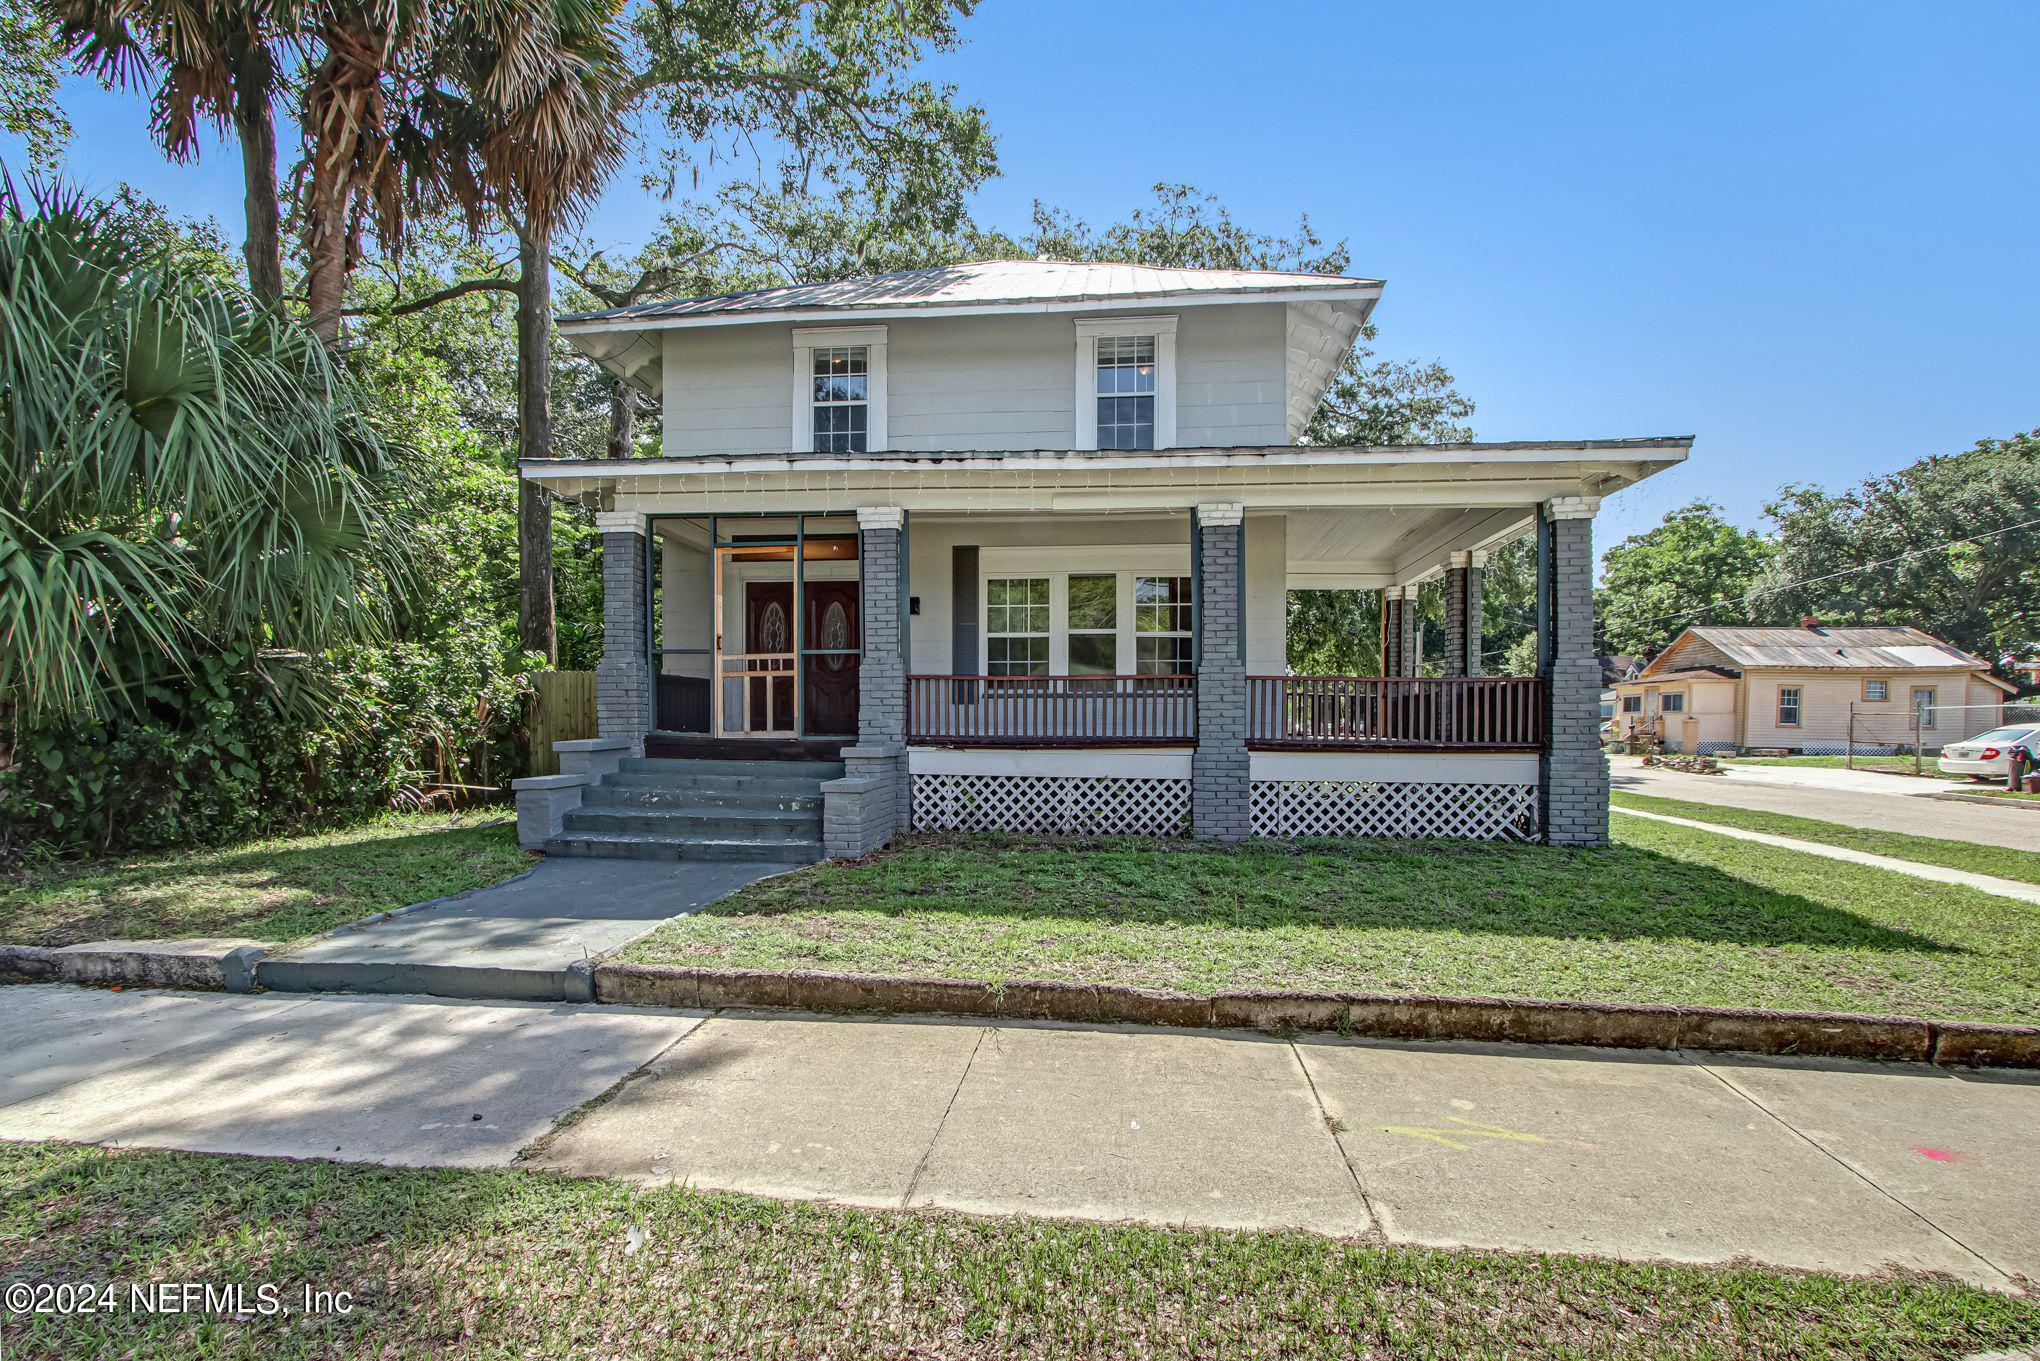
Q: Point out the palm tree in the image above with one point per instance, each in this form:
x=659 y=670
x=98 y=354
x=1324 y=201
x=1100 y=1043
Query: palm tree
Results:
x=209 y=61
x=187 y=474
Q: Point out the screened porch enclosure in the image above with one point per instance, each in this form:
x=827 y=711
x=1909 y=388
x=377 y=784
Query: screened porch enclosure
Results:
x=754 y=625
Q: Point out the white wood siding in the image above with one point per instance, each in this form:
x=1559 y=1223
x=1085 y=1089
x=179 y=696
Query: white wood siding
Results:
x=994 y=383
x=1825 y=696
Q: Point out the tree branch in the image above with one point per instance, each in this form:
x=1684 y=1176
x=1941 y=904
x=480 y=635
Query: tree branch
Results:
x=447 y=294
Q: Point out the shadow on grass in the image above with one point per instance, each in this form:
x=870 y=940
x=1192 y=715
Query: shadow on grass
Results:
x=1480 y=888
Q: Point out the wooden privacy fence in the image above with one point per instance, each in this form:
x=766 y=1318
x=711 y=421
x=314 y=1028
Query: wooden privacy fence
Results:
x=1052 y=711
x=562 y=710
x=1457 y=713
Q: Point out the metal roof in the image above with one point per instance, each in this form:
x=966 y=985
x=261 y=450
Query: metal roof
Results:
x=1871 y=648
x=994 y=283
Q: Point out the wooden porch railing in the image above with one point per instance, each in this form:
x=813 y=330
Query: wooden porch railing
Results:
x=1052 y=711
x=1460 y=713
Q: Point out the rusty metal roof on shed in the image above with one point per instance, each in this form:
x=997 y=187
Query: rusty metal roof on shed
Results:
x=1870 y=648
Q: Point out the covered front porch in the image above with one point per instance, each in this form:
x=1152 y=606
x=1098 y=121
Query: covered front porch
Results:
x=1094 y=644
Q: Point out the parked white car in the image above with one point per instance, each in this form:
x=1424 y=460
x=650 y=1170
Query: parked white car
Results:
x=1985 y=755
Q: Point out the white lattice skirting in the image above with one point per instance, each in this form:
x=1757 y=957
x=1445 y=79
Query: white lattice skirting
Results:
x=1484 y=812
x=1059 y=805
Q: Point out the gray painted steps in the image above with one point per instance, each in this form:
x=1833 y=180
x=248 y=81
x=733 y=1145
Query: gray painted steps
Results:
x=620 y=845
x=663 y=808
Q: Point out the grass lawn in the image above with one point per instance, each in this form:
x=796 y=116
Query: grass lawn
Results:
x=499 y=1264
x=1899 y=765
x=1667 y=914
x=2001 y=861
x=260 y=890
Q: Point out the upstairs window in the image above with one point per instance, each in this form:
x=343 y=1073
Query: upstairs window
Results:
x=1126 y=392
x=1126 y=383
x=838 y=389
x=842 y=397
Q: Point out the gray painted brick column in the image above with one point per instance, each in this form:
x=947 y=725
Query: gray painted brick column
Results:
x=623 y=678
x=872 y=803
x=1220 y=782
x=1455 y=615
x=1573 y=796
x=1476 y=591
x=1391 y=630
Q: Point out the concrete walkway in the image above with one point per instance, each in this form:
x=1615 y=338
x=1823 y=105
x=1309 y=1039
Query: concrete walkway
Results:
x=1885 y=803
x=1844 y=1167
x=516 y=940
x=1940 y=874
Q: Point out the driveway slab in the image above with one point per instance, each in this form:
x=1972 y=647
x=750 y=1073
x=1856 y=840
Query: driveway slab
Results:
x=395 y=1080
x=1184 y=1127
x=1957 y=1148
x=836 y=1109
x=1616 y=1154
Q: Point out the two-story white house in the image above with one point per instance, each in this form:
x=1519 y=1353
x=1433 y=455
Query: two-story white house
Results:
x=1012 y=543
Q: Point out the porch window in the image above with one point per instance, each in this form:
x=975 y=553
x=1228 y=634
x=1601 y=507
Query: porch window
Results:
x=1161 y=626
x=1126 y=392
x=842 y=396
x=1788 y=706
x=1094 y=625
x=1016 y=626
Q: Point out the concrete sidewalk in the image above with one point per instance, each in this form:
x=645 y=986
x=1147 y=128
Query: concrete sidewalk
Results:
x=1940 y=874
x=518 y=940
x=1884 y=803
x=1845 y=1167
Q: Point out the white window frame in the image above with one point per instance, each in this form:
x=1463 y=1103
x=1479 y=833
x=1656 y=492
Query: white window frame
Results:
x=808 y=339
x=1061 y=563
x=1930 y=711
x=985 y=613
x=1798 y=694
x=1089 y=329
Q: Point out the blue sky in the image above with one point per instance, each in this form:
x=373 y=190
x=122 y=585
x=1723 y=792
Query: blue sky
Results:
x=1803 y=233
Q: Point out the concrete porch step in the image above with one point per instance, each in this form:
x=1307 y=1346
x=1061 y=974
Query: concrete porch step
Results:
x=701 y=800
x=689 y=767
x=768 y=785
x=697 y=824
x=628 y=846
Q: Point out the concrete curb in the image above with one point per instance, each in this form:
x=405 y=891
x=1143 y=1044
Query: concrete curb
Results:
x=1382 y=1015
x=1987 y=800
x=231 y=970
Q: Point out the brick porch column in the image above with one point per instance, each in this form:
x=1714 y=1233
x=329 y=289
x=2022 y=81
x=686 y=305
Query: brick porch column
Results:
x=1220 y=785
x=1391 y=630
x=871 y=804
x=1573 y=793
x=623 y=678
x=1463 y=573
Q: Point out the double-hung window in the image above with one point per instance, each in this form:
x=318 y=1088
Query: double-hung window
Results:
x=1876 y=691
x=838 y=389
x=1674 y=702
x=1161 y=626
x=1926 y=704
x=842 y=399
x=1016 y=626
x=1632 y=704
x=1126 y=392
x=1788 y=706
x=1126 y=383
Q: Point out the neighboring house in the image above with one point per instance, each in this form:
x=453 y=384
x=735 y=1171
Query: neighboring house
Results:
x=1801 y=689
x=1013 y=541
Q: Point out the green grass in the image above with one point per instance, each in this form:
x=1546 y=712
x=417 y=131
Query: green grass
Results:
x=1899 y=765
x=2001 y=861
x=502 y=1264
x=1667 y=914
x=262 y=890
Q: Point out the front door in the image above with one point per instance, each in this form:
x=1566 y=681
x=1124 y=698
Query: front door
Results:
x=832 y=635
x=768 y=638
